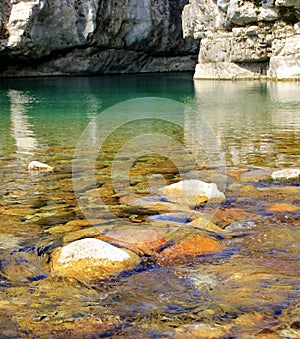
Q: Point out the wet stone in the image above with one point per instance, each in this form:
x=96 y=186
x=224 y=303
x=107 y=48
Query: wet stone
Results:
x=204 y=222
x=200 y=331
x=282 y=207
x=146 y=240
x=153 y=203
x=286 y=174
x=192 y=192
x=86 y=232
x=91 y=259
x=230 y=215
x=188 y=249
x=255 y=175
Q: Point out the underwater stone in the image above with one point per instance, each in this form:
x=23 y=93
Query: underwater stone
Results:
x=192 y=192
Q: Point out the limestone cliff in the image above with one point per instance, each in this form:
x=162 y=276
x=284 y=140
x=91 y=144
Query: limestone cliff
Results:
x=243 y=39
x=56 y=37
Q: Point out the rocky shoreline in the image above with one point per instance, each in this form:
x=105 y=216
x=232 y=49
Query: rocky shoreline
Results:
x=52 y=38
x=245 y=40
x=239 y=40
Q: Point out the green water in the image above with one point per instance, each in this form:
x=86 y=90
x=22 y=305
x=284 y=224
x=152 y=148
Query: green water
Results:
x=250 y=290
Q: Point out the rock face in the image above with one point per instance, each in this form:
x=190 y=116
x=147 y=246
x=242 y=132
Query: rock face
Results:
x=243 y=39
x=91 y=259
x=41 y=37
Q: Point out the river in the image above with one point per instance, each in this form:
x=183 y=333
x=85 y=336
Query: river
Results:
x=140 y=132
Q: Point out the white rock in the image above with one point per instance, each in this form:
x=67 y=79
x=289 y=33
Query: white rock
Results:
x=227 y=71
x=36 y=165
x=241 y=12
x=252 y=30
x=252 y=51
x=19 y=18
x=91 y=258
x=285 y=59
x=91 y=248
x=192 y=192
x=289 y=173
x=268 y=13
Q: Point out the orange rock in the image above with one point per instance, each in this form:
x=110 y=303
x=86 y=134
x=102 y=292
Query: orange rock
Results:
x=282 y=207
x=188 y=249
x=144 y=240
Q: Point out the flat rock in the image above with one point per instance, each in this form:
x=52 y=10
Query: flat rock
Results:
x=180 y=217
x=200 y=331
x=229 y=215
x=91 y=259
x=75 y=225
x=282 y=207
x=255 y=175
x=192 y=192
x=152 y=203
x=204 y=222
x=188 y=248
x=87 y=232
x=286 y=174
x=36 y=165
x=146 y=241
x=236 y=172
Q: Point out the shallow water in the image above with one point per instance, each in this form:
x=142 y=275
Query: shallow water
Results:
x=242 y=129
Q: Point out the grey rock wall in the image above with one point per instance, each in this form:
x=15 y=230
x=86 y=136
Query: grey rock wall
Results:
x=62 y=37
x=242 y=39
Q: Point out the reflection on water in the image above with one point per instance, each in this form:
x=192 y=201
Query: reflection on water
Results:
x=21 y=128
x=254 y=123
x=257 y=123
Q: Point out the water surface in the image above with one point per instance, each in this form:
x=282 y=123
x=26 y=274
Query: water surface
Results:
x=251 y=289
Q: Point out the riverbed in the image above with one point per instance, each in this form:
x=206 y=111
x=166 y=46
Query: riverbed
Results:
x=126 y=136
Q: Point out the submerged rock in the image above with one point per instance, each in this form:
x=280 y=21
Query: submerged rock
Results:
x=200 y=331
x=282 y=207
x=192 y=192
x=286 y=174
x=230 y=215
x=152 y=203
x=91 y=259
x=36 y=165
x=189 y=248
x=147 y=241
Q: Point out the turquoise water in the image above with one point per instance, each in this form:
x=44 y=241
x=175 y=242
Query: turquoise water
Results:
x=247 y=129
x=256 y=123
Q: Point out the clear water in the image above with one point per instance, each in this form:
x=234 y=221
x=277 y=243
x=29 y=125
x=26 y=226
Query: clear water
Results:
x=250 y=290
